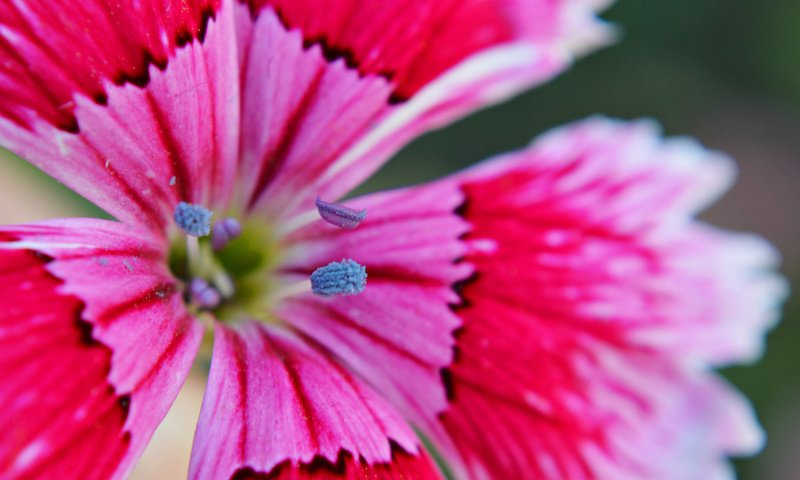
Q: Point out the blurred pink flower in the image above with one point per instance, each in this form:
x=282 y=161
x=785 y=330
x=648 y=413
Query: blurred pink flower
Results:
x=549 y=314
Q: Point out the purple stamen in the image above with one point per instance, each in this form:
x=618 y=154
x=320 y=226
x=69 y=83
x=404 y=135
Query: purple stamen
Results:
x=225 y=231
x=204 y=295
x=340 y=215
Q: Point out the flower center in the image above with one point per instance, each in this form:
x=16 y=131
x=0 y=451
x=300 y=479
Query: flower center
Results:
x=229 y=267
x=229 y=272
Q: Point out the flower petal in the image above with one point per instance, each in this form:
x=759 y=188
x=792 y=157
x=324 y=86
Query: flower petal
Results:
x=95 y=346
x=53 y=51
x=591 y=305
x=327 y=92
x=398 y=333
x=312 y=119
x=597 y=306
x=138 y=146
x=277 y=407
x=614 y=204
x=414 y=42
x=299 y=112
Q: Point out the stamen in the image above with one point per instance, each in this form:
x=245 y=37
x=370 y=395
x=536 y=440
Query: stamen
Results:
x=194 y=260
x=291 y=290
x=340 y=215
x=225 y=231
x=224 y=284
x=339 y=278
x=204 y=295
x=193 y=219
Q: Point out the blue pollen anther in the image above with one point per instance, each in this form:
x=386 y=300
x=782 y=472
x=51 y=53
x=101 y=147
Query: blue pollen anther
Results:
x=203 y=294
x=339 y=278
x=225 y=231
x=339 y=215
x=193 y=219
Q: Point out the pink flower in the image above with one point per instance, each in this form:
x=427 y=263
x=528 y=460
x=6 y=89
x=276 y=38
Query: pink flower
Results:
x=554 y=313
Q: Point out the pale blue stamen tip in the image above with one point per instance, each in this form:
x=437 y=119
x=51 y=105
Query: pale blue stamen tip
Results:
x=339 y=278
x=340 y=215
x=193 y=219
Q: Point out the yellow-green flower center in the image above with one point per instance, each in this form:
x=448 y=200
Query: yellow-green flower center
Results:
x=242 y=273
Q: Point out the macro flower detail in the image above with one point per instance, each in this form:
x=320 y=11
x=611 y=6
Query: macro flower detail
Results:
x=339 y=215
x=224 y=232
x=552 y=313
x=203 y=294
x=339 y=278
x=193 y=219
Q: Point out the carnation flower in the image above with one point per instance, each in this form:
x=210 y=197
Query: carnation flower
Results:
x=552 y=313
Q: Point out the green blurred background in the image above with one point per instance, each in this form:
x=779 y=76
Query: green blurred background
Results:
x=725 y=72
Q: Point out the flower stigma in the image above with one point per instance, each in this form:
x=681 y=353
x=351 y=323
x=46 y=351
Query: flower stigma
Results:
x=340 y=215
x=195 y=220
x=234 y=269
x=339 y=278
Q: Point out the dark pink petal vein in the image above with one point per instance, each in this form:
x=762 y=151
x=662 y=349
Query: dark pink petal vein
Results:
x=277 y=406
x=89 y=373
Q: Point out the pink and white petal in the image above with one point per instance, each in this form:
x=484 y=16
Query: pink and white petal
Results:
x=95 y=344
x=60 y=414
x=711 y=413
x=276 y=406
x=601 y=413
x=591 y=305
x=415 y=42
x=397 y=334
x=741 y=298
x=52 y=52
x=403 y=466
x=351 y=62
x=299 y=111
x=643 y=239
x=136 y=142
x=596 y=308
x=135 y=148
